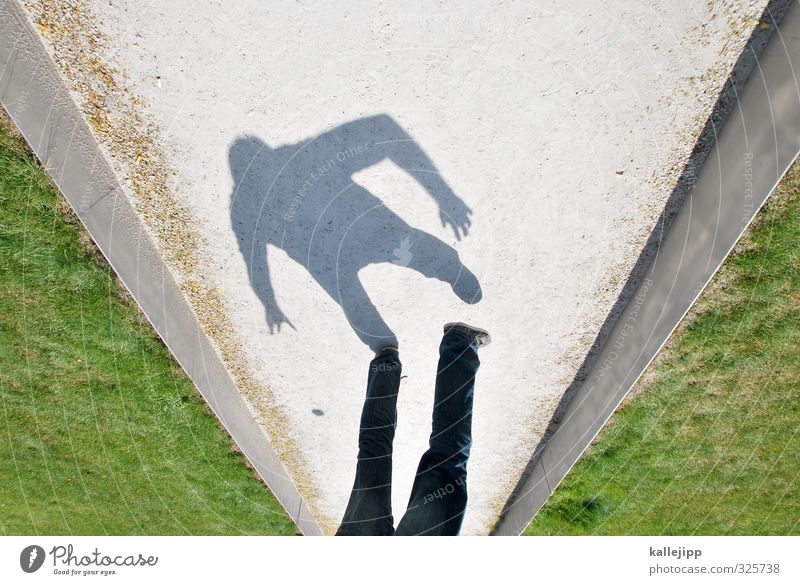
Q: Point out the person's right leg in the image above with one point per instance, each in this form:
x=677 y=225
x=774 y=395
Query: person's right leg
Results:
x=439 y=495
x=369 y=511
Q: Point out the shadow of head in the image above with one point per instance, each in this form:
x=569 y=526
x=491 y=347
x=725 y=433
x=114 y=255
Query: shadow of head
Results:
x=301 y=198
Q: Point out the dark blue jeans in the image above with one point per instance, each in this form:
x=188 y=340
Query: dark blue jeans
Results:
x=439 y=495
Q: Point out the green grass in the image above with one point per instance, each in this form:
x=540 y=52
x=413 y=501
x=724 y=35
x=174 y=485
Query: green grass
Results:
x=102 y=432
x=710 y=442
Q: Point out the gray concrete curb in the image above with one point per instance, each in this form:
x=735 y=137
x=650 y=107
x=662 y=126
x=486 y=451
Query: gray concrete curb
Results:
x=36 y=98
x=754 y=149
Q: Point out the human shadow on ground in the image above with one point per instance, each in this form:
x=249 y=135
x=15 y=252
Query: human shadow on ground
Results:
x=302 y=199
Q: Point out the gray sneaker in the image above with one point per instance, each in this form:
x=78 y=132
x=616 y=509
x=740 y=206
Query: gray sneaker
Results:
x=478 y=335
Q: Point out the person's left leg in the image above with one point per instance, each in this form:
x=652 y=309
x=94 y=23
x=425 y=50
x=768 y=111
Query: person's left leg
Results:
x=439 y=495
x=369 y=511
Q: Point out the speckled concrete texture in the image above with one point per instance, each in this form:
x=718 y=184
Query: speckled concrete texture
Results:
x=323 y=177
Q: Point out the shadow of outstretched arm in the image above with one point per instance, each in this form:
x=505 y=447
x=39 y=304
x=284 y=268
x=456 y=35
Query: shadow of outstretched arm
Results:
x=262 y=284
x=250 y=222
x=399 y=147
x=255 y=255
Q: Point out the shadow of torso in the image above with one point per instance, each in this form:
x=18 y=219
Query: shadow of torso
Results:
x=302 y=199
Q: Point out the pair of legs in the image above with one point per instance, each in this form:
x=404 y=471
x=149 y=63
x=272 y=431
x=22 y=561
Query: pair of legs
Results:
x=439 y=495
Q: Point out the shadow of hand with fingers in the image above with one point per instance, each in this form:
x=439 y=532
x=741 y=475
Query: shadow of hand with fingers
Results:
x=301 y=198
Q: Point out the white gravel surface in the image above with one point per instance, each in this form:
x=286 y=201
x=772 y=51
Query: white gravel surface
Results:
x=562 y=126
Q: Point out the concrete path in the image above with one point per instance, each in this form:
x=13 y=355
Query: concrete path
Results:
x=328 y=176
x=756 y=138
